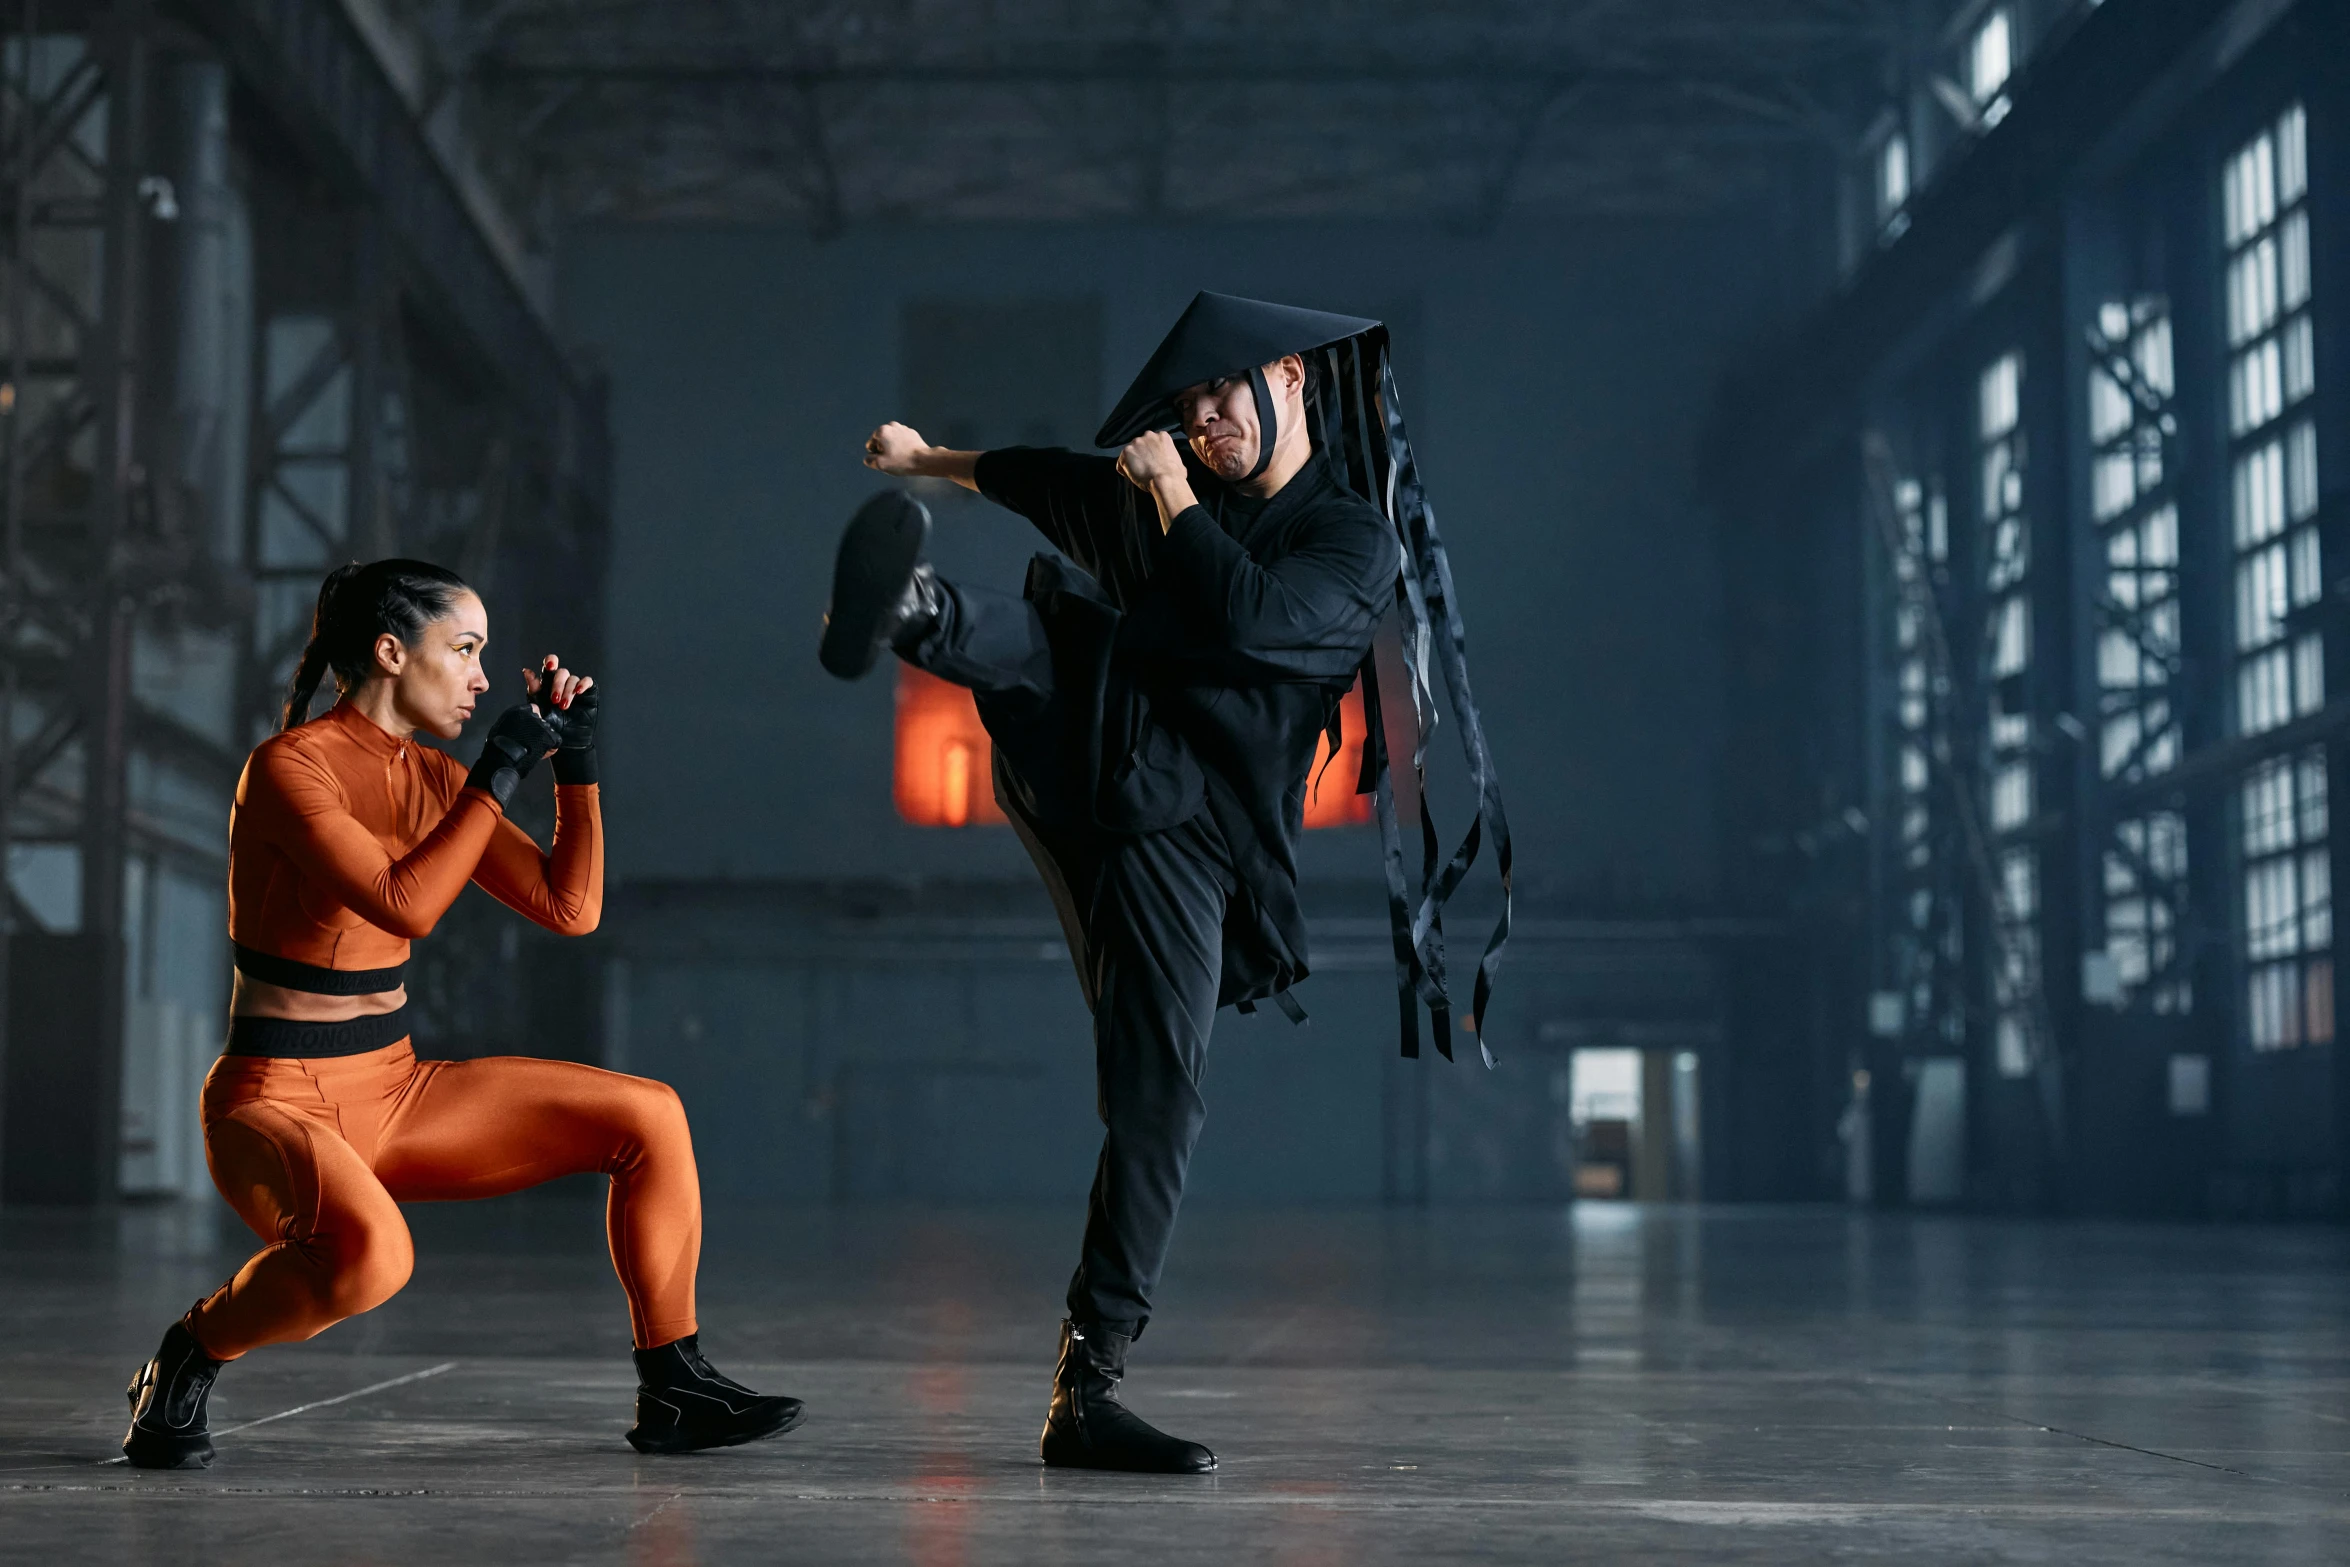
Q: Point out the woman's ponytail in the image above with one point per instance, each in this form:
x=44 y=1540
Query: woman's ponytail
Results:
x=356 y=605
x=317 y=654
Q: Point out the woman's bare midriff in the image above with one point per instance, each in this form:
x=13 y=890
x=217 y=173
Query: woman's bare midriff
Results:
x=258 y=998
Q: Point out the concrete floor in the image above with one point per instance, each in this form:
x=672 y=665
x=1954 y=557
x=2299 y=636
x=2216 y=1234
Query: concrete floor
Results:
x=1601 y=1384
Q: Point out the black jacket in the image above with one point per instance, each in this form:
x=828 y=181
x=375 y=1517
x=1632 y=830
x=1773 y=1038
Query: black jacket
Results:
x=1194 y=669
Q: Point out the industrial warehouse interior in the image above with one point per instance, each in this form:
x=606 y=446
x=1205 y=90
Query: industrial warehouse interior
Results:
x=1827 y=1050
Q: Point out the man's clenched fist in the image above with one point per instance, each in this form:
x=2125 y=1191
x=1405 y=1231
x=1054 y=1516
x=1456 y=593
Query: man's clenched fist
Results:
x=1149 y=458
x=894 y=448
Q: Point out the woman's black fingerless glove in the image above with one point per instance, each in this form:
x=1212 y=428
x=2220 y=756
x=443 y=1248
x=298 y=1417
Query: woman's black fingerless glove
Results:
x=511 y=749
x=575 y=726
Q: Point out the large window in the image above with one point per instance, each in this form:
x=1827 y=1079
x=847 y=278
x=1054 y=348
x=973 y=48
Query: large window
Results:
x=2288 y=905
x=2271 y=372
x=1927 y=937
x=2007 y=562
x=1990 y=61
x=1892 y=176
x=2136 y=514
x=2280 y=653
x=1889 y=184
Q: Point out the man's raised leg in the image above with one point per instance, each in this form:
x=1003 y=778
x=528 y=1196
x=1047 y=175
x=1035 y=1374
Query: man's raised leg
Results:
x=885 y=596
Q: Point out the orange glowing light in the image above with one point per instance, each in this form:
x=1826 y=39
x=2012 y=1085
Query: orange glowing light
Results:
x=1331 y=800
x=944 y=763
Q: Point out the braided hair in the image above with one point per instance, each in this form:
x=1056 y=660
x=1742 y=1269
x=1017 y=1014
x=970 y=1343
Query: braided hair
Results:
x=358 y=604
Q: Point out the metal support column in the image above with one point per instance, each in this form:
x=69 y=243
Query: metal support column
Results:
x=16 y=126
x=106 y=654
x=372 y=531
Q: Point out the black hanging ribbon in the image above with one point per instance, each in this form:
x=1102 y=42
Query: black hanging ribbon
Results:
x=1379 y=782
x=1386 y=474
x=1433 y=567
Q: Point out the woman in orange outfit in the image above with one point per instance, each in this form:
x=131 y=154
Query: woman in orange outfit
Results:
x=349 y=840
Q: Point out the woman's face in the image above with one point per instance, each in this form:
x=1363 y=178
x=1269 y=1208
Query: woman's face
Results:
x=436 y=681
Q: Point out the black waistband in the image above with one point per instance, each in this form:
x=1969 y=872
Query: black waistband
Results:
x=294 y=975
x=280 y=1036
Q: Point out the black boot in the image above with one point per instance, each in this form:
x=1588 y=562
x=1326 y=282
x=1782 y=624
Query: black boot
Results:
x=1089 y=1428
x=882 y=593
x=168 y=1426
x=683 y=1404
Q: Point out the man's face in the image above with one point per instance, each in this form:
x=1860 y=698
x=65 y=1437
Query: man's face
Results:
x=1220 y=416
x=1220 y=419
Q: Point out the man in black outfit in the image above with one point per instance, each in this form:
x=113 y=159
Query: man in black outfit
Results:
x=1156 y=698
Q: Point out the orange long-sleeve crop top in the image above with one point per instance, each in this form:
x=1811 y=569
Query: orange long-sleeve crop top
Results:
x=347 y=843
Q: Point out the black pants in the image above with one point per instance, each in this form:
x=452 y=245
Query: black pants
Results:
x=1153 y=920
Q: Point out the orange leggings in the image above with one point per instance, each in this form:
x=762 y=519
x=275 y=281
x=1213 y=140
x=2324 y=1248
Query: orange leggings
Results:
x=316 y=1154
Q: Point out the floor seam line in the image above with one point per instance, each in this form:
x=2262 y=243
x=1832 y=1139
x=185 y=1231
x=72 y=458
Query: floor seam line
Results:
x=303 y=1409
x=2094 y=1441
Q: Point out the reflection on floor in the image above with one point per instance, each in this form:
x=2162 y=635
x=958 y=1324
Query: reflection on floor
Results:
x=1601 y=1383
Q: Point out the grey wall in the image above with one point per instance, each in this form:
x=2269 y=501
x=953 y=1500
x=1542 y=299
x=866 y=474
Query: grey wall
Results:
x=811 y=1068
x=929 y=1043
x=1555 y=376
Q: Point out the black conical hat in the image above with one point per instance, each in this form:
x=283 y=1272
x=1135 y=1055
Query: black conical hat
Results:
x=1220 y=335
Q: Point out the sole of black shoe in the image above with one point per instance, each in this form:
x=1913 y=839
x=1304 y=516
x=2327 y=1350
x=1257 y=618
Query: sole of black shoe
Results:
x=878 y=553
x=1072 y=1454
x=677 y=1442
x=147 y=1450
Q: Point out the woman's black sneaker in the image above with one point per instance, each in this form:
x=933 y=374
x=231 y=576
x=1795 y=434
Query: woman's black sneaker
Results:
x=684 y=1405
x=168 y=1425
